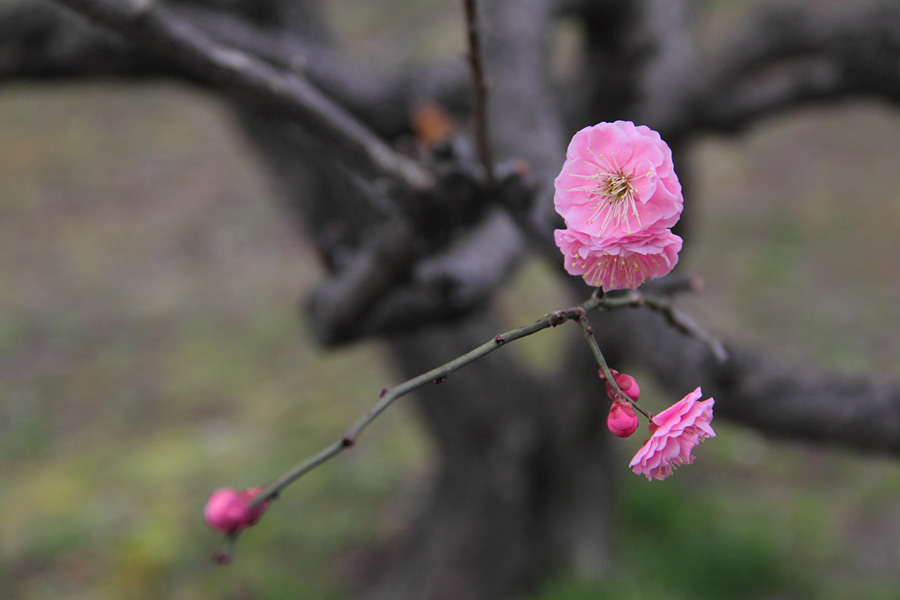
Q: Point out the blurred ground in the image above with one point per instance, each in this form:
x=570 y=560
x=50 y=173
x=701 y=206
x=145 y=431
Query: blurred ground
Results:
x=150 y=351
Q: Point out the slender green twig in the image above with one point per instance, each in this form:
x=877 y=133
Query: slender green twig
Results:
x=676 y=318
x=686 y=324
x=389 y=395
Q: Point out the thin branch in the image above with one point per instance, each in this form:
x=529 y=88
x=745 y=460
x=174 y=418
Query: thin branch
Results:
x=479 y=91
x=632 y=298
x=677 y=319
x=604 y=368
x=437 y=375
x=250 y=78
x=686 y=325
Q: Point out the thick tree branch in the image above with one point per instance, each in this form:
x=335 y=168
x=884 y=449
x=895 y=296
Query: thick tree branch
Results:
x=39 y=40
x=380 y=96
x=252 y=79
x=781 y=58
x=395 y=283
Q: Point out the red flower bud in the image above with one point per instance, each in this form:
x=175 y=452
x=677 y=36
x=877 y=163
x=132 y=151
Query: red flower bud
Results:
x=229 y=510
x=626 y=383
x=622 y=420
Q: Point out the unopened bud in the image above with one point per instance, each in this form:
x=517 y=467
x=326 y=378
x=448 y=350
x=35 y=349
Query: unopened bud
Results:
x=626 y=383
x=229 y=510
x=622 y=420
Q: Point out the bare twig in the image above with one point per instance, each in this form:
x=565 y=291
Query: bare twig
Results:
x=632 y=298
x=161 y=30
x=676 y=318
x=685 y=324
x=479 y=91
x=438 y=374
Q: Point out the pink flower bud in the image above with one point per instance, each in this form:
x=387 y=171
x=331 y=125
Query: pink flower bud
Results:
x=626 y=383
x=229 y=510
x=622 y=420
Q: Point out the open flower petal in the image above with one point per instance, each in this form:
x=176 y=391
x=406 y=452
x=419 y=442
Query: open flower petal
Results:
x=619 y=263
x=676 y=431
x=617 y=180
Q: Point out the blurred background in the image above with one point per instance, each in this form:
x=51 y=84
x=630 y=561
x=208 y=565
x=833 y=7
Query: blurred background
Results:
x=151 y=351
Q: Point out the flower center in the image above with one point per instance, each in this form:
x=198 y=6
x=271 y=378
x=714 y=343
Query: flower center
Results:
x=618 y=190
x=613 y=196
x=616 y=202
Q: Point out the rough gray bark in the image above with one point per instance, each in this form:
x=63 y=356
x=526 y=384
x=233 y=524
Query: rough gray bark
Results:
x=523 y=487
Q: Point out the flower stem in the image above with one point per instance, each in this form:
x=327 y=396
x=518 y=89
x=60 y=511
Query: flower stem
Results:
x=598 y=355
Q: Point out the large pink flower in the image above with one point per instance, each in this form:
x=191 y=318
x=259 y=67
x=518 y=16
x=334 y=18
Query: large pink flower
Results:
x=674 y=433
x=618 y=180
x=619 y=263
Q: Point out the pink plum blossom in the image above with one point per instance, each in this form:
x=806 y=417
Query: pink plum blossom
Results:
x=673 y=434
x=618 y=180
x=622 y=420
x=619 y=263
x=229 y=510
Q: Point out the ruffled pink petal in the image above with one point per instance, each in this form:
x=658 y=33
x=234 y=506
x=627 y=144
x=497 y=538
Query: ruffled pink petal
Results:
x=676 y=431
x=624 y=263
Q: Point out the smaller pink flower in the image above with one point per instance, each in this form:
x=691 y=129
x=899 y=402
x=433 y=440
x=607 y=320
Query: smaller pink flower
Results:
x=619 y=263
x=622 y=420
x=674 y=433
x=229 y=510
x=626 y=383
